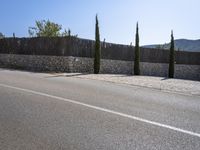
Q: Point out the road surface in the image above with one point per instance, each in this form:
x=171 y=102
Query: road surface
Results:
x=42 y=111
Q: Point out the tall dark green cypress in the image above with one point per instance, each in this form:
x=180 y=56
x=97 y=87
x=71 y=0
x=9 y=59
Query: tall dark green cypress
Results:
x=171 y=57
x=137 y=53
x=97 y=53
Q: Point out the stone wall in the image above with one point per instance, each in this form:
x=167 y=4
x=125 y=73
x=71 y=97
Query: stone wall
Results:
x=85 y=65
x=36 y=63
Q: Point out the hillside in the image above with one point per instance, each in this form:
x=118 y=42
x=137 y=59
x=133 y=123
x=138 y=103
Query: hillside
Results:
x=180 y=44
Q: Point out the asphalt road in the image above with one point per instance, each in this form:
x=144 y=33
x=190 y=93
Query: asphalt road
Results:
x=42 y=111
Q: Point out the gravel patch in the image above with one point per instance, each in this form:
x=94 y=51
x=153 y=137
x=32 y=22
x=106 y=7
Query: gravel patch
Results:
x=186 y=87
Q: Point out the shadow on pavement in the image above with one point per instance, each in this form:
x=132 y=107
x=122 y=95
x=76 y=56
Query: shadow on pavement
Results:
x=67 y=75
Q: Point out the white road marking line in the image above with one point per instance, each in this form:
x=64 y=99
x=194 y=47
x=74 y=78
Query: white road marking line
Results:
x=104 y=110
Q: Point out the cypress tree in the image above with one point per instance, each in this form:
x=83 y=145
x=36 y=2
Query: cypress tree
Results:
x=171 y=57
x=137 y=53
x=97 y=53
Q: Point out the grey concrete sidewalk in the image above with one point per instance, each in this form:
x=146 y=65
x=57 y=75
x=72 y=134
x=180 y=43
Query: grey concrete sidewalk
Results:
x=187 y=87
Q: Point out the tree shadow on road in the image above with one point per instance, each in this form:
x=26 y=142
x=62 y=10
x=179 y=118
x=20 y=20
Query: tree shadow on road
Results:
x=165 y=78
x=67 y=75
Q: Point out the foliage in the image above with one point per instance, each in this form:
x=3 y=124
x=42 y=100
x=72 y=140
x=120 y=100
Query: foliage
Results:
x=137 y=53
x=171 y=57
x=47 y=28
x=97 y=53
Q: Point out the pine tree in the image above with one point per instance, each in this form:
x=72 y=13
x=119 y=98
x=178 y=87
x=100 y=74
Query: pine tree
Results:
x=137 y=53
x=97 y=53
x=171 y=57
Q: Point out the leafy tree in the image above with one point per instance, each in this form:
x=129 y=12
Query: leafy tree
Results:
x=97 y=53
x=137 y=53
x=45 y=28
x=171 y=57
x=1 y=35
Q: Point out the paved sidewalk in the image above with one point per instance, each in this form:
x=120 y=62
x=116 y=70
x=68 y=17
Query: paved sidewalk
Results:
x=187 y=87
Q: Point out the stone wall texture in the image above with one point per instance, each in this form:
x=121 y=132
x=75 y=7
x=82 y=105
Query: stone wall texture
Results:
x=85 y=65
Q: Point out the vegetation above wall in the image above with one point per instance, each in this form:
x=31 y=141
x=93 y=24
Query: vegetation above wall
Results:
x=46 y=28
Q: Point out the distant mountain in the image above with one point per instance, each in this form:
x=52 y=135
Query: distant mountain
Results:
x=180 y=44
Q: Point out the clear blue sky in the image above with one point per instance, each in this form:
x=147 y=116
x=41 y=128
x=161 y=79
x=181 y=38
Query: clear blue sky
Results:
x=117 y=18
